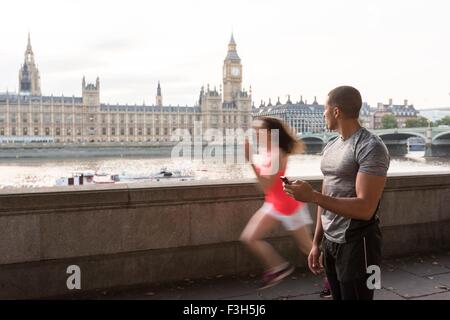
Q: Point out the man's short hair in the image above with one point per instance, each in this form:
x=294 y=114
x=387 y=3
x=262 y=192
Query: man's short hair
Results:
x=348 y=99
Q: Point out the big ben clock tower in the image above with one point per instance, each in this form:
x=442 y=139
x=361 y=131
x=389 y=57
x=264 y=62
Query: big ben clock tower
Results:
x=232 y=74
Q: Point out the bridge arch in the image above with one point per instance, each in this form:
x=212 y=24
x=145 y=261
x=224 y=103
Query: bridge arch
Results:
x=441 y=136
x=400 y=135
x=311 y=139
x=332 y=138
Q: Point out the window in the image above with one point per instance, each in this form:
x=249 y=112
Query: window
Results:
x=113 y=131
x=36 y=131
x=2 y=131
x=140 y=131
x=149 y=131
x=122 y=131
x=47 y=118
x=130 y=131
x=69 y=131
x=58 y=131
x=104 y=131
x=13 y=131
x=47 y=131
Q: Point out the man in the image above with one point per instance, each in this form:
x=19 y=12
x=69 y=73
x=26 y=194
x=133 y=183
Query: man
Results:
x=354 y=166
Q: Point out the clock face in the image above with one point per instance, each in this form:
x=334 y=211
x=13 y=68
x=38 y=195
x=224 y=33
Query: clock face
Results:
x=235 y=71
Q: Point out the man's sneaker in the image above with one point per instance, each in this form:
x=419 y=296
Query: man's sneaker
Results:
x=325 y=293
x=271 y=278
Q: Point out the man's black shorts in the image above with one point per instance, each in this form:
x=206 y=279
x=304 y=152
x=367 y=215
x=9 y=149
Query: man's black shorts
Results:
x=350 y=260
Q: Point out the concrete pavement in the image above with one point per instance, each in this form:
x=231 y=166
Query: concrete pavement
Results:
x=422 y=277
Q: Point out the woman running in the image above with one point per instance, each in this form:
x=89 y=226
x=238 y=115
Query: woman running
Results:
x=278 y=206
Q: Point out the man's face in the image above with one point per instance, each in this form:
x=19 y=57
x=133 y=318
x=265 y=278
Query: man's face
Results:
x=330 y=116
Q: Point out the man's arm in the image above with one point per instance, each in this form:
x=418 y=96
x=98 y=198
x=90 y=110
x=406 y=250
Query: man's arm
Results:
x=314 y=256
x=318 y=233
x=369 y=189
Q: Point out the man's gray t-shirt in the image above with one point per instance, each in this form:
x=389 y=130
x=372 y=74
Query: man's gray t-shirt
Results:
x=341 y=162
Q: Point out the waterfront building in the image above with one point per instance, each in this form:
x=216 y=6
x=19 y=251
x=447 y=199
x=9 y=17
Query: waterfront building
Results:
x=30 y=116
x=401 y=112
x=302 y=117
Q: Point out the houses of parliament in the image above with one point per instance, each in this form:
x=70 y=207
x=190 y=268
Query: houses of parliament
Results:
x=30 y=116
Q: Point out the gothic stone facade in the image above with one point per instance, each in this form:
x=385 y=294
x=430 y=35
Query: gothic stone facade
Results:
x=29 y=116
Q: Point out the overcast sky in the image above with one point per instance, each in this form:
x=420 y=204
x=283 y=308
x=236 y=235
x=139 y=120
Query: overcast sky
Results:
x=387 y=49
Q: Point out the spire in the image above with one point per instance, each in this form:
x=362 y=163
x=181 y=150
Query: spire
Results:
x=159 y=101
x=232 y=42
x=158 y=90
x=29 y=51
x=29 y=80
x=232 y=53
x=289 y=100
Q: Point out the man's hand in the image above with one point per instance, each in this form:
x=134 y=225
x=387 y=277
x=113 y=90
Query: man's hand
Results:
x=313 y=260
x=300 y=191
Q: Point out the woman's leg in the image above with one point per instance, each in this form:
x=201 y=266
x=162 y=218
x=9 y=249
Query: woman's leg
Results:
x=257 y=228
x=303 y=238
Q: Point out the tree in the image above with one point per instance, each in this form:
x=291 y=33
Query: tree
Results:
x=444 y=121
x=418 y=122
x=389 y=122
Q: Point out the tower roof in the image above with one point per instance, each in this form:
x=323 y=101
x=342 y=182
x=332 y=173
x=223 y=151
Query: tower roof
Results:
x=232 y=53
x=232 y=40
x=158 y=91
x=29 y=48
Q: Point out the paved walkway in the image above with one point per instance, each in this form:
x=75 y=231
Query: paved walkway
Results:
x=421 y=277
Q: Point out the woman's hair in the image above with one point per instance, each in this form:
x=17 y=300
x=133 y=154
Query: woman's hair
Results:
x=287 y=141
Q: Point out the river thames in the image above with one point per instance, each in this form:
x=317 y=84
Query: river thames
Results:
x=32 y=173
